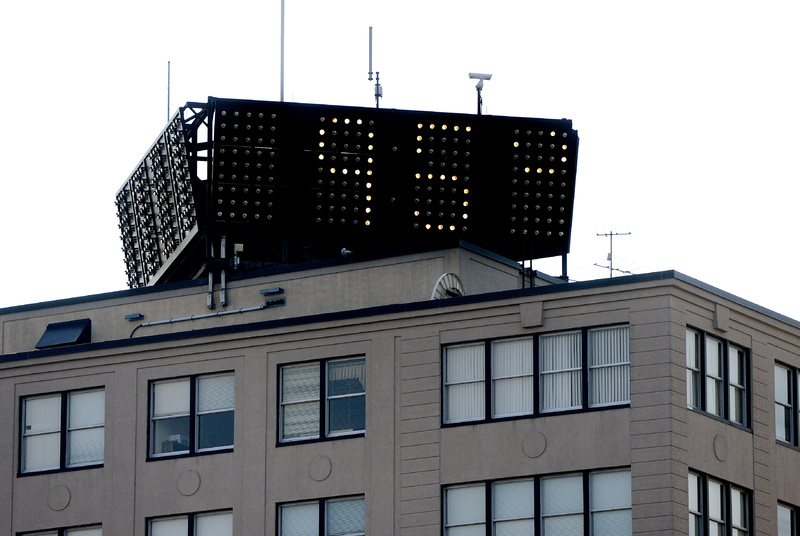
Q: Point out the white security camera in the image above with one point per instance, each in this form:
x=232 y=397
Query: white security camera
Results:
x=480 y=76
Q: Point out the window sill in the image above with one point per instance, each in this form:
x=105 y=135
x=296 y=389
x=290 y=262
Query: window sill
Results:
x=189 y=454
x=550 y=413
x=720 y=419
x=320 y=439
x=22 y=474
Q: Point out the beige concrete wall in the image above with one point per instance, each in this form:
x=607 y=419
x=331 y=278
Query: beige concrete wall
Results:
x=406 y=456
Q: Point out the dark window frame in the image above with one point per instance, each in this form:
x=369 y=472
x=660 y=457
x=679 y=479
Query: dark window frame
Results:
x=794 y=399
x=727 y=488
x=795 y=512
x=193 y=417
x=63 y=434
x=538 y=519
x=323 y=511
x=701 y=387
x=191 y=516
x=62 y=531
x=488 y=380
x=324 y=424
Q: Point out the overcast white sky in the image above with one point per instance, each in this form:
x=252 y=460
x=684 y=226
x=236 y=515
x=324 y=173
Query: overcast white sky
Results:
x=687 y=113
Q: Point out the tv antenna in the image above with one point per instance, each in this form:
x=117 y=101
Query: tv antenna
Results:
x=378 y=88
x=610 y=258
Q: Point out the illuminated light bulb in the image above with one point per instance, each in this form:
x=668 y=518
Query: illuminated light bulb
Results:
x=469 y=129
x=419 y=138
x=322 y=144
x=370 y=134
x=418 y=175
x=551 y=171
x=564 y=146
x=553 y=133
x=433 y=126
x=538 y=170
x=346 y=121
x=358 y=172
x=466 y=191
x=444 y=127
x=427 y=225
x=419 y=125
x=452 y=227
x=455 y=178
x=369 y=210
x=344 y=171
x=369 y=160
x=369 y=198
x=466 y=203
x=369 y=172
x=464 y=216
x=455 y=128
x=441 y=177
x=527 y=170
x=563 y=158
x=369 y=185
x=369 y=147
x=333 y=170
x=321 y=132
x=516 y=144
x=322 y=157
x=441 y=226
x=430 y=175
x=416 y=213
x=334 y=120
x=358 y=121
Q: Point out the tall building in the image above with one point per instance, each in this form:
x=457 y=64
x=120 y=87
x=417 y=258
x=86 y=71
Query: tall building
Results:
x=415 y=391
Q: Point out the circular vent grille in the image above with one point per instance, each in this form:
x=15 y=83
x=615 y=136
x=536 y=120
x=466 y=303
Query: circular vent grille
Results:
x=448 y=286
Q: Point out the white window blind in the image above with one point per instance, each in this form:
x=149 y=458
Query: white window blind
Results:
x=512 y=377
x=41 y=436
x=215 y=393
x=562 y=505
x=299 y=519
x=465 y=511
x=695 y=512
x=692 y=369
x=513 y=505
x=736 y=385
x=560 y=371
x=88 y=531
x=713 y=376
x=610 y=500
x=739 y=513
x=171 y=405
x=300 y=399
x=464 y=375
x=345 y=517
x=213 y=524
x=609 y=366
x=716 y=519
x=85 y=428
x=784 y=521
x=174 y=526
x=215 y=408
x=347 y=380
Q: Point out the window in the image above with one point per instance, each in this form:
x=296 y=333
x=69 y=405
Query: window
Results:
x=717 y=377
x=63 y=430
x=532 y=375
x=79 y=531
x=190 y=415
x=311 y=408
x=787 y=520
x=786 y=404
x=205 y=524
x=563 y=506
x=326 y=517
x=717 y=507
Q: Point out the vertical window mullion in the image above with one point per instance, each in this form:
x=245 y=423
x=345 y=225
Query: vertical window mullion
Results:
x=536 y=387
x=323 y=516
x=701 y=350
x=726 y=380
x=192 y=424
x=793 y=400
x=62 y=460
x=584 y=369
x=586 y=507
x=323 y=398
x=488 y=514
x=488 y=383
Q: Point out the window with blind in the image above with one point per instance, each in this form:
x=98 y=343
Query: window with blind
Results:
x=63 y=431
x=322 y=399
x=786 y=404
x=787 y=520
x=597 y=503
x=717 y=507
x=717 y=377
x=326 y=517
x=534 y=375
x=191 y=415
x=202 y=524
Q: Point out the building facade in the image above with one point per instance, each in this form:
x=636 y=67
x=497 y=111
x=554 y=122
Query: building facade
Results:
x=340 y=398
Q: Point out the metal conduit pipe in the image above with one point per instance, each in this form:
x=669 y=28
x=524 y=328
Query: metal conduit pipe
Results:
x=197 y=317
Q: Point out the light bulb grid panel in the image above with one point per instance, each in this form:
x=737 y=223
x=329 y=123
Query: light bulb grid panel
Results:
x=441 y=171
x=345 y=186
x=247 y=184
x=541 y=182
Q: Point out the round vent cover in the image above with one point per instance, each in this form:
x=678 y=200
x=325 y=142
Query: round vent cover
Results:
x=448 y=286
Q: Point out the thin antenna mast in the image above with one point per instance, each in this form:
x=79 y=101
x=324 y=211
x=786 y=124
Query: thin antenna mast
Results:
x=378 y=88
x=610 y=258
x=283 y=39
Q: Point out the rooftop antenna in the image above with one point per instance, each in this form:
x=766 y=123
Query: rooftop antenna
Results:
x=378 y=88
x=283 y=39
x=480 y=77
x=168 y=73
x=610 y=258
